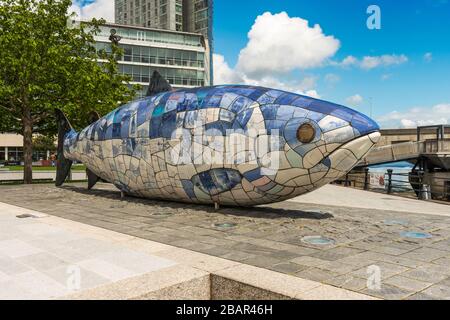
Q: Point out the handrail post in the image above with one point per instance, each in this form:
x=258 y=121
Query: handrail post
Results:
x=389 y=172
x=421 y=186
x=347 y=182
x=366 y=178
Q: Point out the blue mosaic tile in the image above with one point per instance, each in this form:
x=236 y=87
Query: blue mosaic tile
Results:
x=239 y=104
x=275 y=125
x=215 y=129
x=158 y=117
x=169 y=124
x=285 y=112
x=253 y=175
x=364 y=124
x=302 y=102
x=286 y=98
x=188 y=187
x=244 y=117
x=269 y=111
x=226 y=115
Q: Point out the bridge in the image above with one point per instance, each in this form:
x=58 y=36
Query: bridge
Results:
x=409 y=151
x=436 y=150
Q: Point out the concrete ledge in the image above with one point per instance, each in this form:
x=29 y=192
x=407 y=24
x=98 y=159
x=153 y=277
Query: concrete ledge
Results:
x=288 y=286
x=178 y=283
x=191 y=276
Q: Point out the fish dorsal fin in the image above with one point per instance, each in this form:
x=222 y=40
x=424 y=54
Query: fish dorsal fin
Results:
x=93 y=117
x=158 y=85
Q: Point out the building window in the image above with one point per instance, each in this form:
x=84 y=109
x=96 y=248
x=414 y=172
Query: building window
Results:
x=15 y=154
x=2 y=154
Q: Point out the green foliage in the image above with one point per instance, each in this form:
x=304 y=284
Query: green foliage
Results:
x=44 y=143
x=45 y=63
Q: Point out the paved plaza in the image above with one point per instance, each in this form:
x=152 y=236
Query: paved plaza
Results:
x=362 y=241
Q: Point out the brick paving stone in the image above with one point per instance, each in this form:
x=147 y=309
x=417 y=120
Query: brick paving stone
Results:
x=422 y=274
x=389 y=292
x=439 y=291
x=288 y=267
x=309 y=261
x=421 y=296
x=316 y=274
x=348 y=282
x=407 y=283
x=387 y=270
x=261 y=261
x=337 y=266
x=269 y=236
x=425 y=254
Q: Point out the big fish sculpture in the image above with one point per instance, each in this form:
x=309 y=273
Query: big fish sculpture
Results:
x=224 y=145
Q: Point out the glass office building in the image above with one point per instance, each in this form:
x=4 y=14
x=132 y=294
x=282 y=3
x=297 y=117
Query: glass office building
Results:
x=194 y=16
x=181 y=58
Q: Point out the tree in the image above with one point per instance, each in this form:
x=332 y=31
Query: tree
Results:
x=44 y=143
x=47 y=63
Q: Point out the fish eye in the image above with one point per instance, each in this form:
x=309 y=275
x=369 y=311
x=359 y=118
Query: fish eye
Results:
x=306 y=133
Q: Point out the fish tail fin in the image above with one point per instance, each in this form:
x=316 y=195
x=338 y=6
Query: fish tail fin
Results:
x=63 y=164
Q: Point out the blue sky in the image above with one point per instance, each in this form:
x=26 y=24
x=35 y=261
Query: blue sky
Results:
x=403 y=68
x=412 y=29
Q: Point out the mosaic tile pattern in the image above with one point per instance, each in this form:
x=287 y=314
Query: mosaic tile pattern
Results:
x=147 y=148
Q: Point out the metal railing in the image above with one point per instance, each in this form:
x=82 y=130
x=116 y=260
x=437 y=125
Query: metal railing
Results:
x=414 y=184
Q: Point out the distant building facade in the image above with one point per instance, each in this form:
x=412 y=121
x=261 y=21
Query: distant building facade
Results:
x=181 y=58
x=11 y=147
x=194 y=16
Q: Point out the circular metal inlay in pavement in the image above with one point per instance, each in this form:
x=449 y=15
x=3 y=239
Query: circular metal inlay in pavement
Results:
x=318 y=240
x=416 y=235
x=226 y=225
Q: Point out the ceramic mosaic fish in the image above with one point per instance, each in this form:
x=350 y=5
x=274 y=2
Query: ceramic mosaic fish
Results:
x=228 y=145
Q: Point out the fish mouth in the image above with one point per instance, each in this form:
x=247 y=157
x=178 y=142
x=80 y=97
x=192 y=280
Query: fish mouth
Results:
x=343 y=159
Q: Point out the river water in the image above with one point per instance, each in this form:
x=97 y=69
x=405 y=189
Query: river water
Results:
x=399 y=177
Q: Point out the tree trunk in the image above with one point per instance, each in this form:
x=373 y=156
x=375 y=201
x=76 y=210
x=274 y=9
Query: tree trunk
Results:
x=27 y=146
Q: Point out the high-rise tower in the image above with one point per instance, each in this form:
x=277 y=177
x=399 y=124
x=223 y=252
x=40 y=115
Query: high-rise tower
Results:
x=194 y=16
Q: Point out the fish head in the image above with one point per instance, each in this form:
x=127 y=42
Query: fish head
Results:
x=320 y=142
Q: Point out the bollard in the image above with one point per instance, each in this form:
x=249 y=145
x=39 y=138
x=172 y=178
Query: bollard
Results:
x=366 y=179
x=389 y=172
x=347 y=182
x=422 y=192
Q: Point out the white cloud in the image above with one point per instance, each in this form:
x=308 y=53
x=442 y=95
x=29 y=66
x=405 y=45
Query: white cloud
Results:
x=428 y=57
x=371 y=62
x=386 y=76
x=419 y=116
x=97 y=9
x=224 y=74
x=332 y=78
x=280 y=44
x=355 y=100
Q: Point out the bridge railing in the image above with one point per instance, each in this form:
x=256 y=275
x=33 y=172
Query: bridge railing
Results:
x=434 y=146
x=412 y=185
